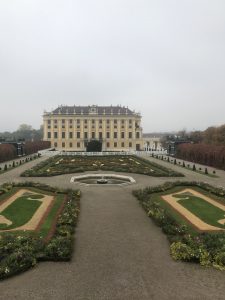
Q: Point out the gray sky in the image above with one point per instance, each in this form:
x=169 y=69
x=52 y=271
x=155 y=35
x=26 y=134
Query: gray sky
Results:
x=164 y=58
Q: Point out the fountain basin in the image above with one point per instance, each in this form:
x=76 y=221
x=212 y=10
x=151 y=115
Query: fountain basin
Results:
x=104 y=179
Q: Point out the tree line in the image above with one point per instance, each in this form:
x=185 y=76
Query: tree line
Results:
x=24 y=132
x=204 y=147
x=8 y=151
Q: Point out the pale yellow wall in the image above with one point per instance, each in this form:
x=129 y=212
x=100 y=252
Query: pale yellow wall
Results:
x=92 y=128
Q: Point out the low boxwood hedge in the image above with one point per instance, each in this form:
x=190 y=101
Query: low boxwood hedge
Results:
x=21 y=251
x=59 y=165
x=207 y=249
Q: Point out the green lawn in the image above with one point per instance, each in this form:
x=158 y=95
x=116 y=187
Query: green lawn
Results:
x=23 y=208
x=202 y=209
x=21 y=211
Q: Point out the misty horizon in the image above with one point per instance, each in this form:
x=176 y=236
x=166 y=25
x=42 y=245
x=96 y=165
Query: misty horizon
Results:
x=162 y=59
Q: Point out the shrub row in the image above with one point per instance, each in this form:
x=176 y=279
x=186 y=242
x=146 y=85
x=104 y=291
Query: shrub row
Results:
x=208 y=249
x=205 y=154
x=18 y=163
x=20 y=252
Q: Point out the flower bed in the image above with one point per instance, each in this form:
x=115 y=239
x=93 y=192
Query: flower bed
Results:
x=76 y=164
x=22 y=250
x=186 y=244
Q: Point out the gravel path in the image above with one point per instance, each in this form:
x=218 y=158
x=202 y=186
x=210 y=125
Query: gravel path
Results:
x=119 y=254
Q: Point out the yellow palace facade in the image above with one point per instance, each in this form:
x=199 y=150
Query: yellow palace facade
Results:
x=71 y=128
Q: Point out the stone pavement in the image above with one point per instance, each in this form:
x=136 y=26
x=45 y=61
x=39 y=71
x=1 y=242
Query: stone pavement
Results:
x=118 y=253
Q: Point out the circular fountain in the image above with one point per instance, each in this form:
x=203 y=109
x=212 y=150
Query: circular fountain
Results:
x=102 y=179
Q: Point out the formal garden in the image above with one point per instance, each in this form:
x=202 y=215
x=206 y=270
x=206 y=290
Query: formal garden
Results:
x=192 y=215
x=37 y=223
x=76 y=164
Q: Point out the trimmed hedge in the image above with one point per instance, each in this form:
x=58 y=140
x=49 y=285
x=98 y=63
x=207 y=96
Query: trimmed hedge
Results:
x=207 y=249
x=22 y=251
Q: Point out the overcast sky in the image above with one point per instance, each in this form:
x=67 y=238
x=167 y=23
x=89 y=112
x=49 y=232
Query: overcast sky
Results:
x=163 y=58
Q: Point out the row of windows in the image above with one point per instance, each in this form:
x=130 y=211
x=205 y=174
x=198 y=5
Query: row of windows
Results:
x=85 y=126
x=78 y=145
x=93 y=135
x=78 y=121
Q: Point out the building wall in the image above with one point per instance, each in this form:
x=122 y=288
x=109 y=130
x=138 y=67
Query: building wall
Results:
x=72 y=131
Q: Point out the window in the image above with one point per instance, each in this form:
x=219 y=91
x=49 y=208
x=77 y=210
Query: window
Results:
x=115 y=144
x=85 y=135
x=100 y=121
x=122 y=144
x=49 y=126
x=85 y=121
x=115 y=121
x=78 y=121
x=122 y=135
x=115 y=135
x=55 y=126
x=71 y=145
x=63 y=121
x=70 y=135
x=93 y=121
x=49 y=122
x=137 y=135
x=55 y=135
x=93 y=135
x=49 y=135
x=108 y=135
x=107 y=144
x=122 y=121
x=78 y=145
x=55 y=121
x=130 y=135
x=71 y=121
x=63 y=135
x=107 y=121
x=130 y=121
x=78 y=134
x=100 y=135
x=130 y=145
x=63 y=145
x=55 y=144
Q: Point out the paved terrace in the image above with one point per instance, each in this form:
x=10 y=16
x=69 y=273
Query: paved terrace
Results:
x=119 y=253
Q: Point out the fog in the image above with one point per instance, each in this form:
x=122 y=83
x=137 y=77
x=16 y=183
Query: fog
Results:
x=163 y=58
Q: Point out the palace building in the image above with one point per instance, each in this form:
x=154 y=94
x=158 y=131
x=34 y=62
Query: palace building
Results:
x=72 y=128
